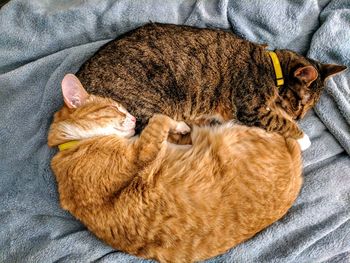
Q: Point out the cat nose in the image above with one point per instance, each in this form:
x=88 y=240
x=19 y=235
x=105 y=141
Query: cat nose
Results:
x=133 y=119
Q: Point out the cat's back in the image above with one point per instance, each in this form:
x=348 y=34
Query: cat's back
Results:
x=159 y=37
x=162 y=68
x=155 y=49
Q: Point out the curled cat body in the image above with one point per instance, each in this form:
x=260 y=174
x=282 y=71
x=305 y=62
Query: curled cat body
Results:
x=205 y=75
x=158 y=200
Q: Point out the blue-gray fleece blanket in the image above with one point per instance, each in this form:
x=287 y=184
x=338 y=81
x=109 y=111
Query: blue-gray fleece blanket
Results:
x=41 y=40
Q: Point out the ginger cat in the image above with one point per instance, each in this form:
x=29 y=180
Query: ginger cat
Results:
x=173 y=203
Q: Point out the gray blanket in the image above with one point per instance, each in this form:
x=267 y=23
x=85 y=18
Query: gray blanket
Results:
x=41 y=40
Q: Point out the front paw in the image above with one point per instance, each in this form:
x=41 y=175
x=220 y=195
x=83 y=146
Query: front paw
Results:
x=304 y=142
x=182 y=128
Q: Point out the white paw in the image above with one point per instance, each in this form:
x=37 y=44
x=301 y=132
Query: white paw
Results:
x=304 y=142
x=182 y=127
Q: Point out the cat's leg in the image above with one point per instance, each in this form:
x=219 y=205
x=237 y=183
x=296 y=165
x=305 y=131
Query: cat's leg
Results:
x=154 y=137
x=269 y=119
x=273 y=120
x=276 y=122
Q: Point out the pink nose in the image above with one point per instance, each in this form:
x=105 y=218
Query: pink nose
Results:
x=133 y=119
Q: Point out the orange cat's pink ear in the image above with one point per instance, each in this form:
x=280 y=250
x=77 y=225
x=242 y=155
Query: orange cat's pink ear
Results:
x=306 y=74
x=74 y=94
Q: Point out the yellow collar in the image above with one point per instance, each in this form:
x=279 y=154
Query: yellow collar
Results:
x=67 y=145
x=278 y=69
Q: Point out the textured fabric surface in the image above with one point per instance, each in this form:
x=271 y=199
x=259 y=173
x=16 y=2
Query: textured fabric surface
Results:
x=41 y=40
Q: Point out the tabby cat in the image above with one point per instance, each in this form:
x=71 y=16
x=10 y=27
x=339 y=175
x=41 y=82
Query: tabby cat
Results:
x=154 y=199
x=208 y=75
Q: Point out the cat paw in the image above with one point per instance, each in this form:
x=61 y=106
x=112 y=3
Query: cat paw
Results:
x=304 y=142
x=182 y=127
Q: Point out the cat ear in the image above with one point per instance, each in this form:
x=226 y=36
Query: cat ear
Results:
x=74 y=94
x=328 y=70
x=306 y=74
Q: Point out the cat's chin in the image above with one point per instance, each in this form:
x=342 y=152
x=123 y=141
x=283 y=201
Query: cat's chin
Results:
x=126 y=133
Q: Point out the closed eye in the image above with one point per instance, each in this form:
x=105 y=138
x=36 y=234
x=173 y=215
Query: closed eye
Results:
x=117 y=109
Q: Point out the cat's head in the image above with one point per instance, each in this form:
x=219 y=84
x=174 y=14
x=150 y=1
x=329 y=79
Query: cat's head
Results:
x=304 y=81
x=85 y=116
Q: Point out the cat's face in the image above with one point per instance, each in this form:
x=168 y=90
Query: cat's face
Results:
x=85 y=116
x=102 y=116
x=304 y=82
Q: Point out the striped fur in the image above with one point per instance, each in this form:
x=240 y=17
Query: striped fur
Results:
x=187 y=73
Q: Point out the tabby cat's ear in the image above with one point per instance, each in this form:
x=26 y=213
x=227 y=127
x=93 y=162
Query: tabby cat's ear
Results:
x=306 y=74
x=74 y=94
x=328 y=70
